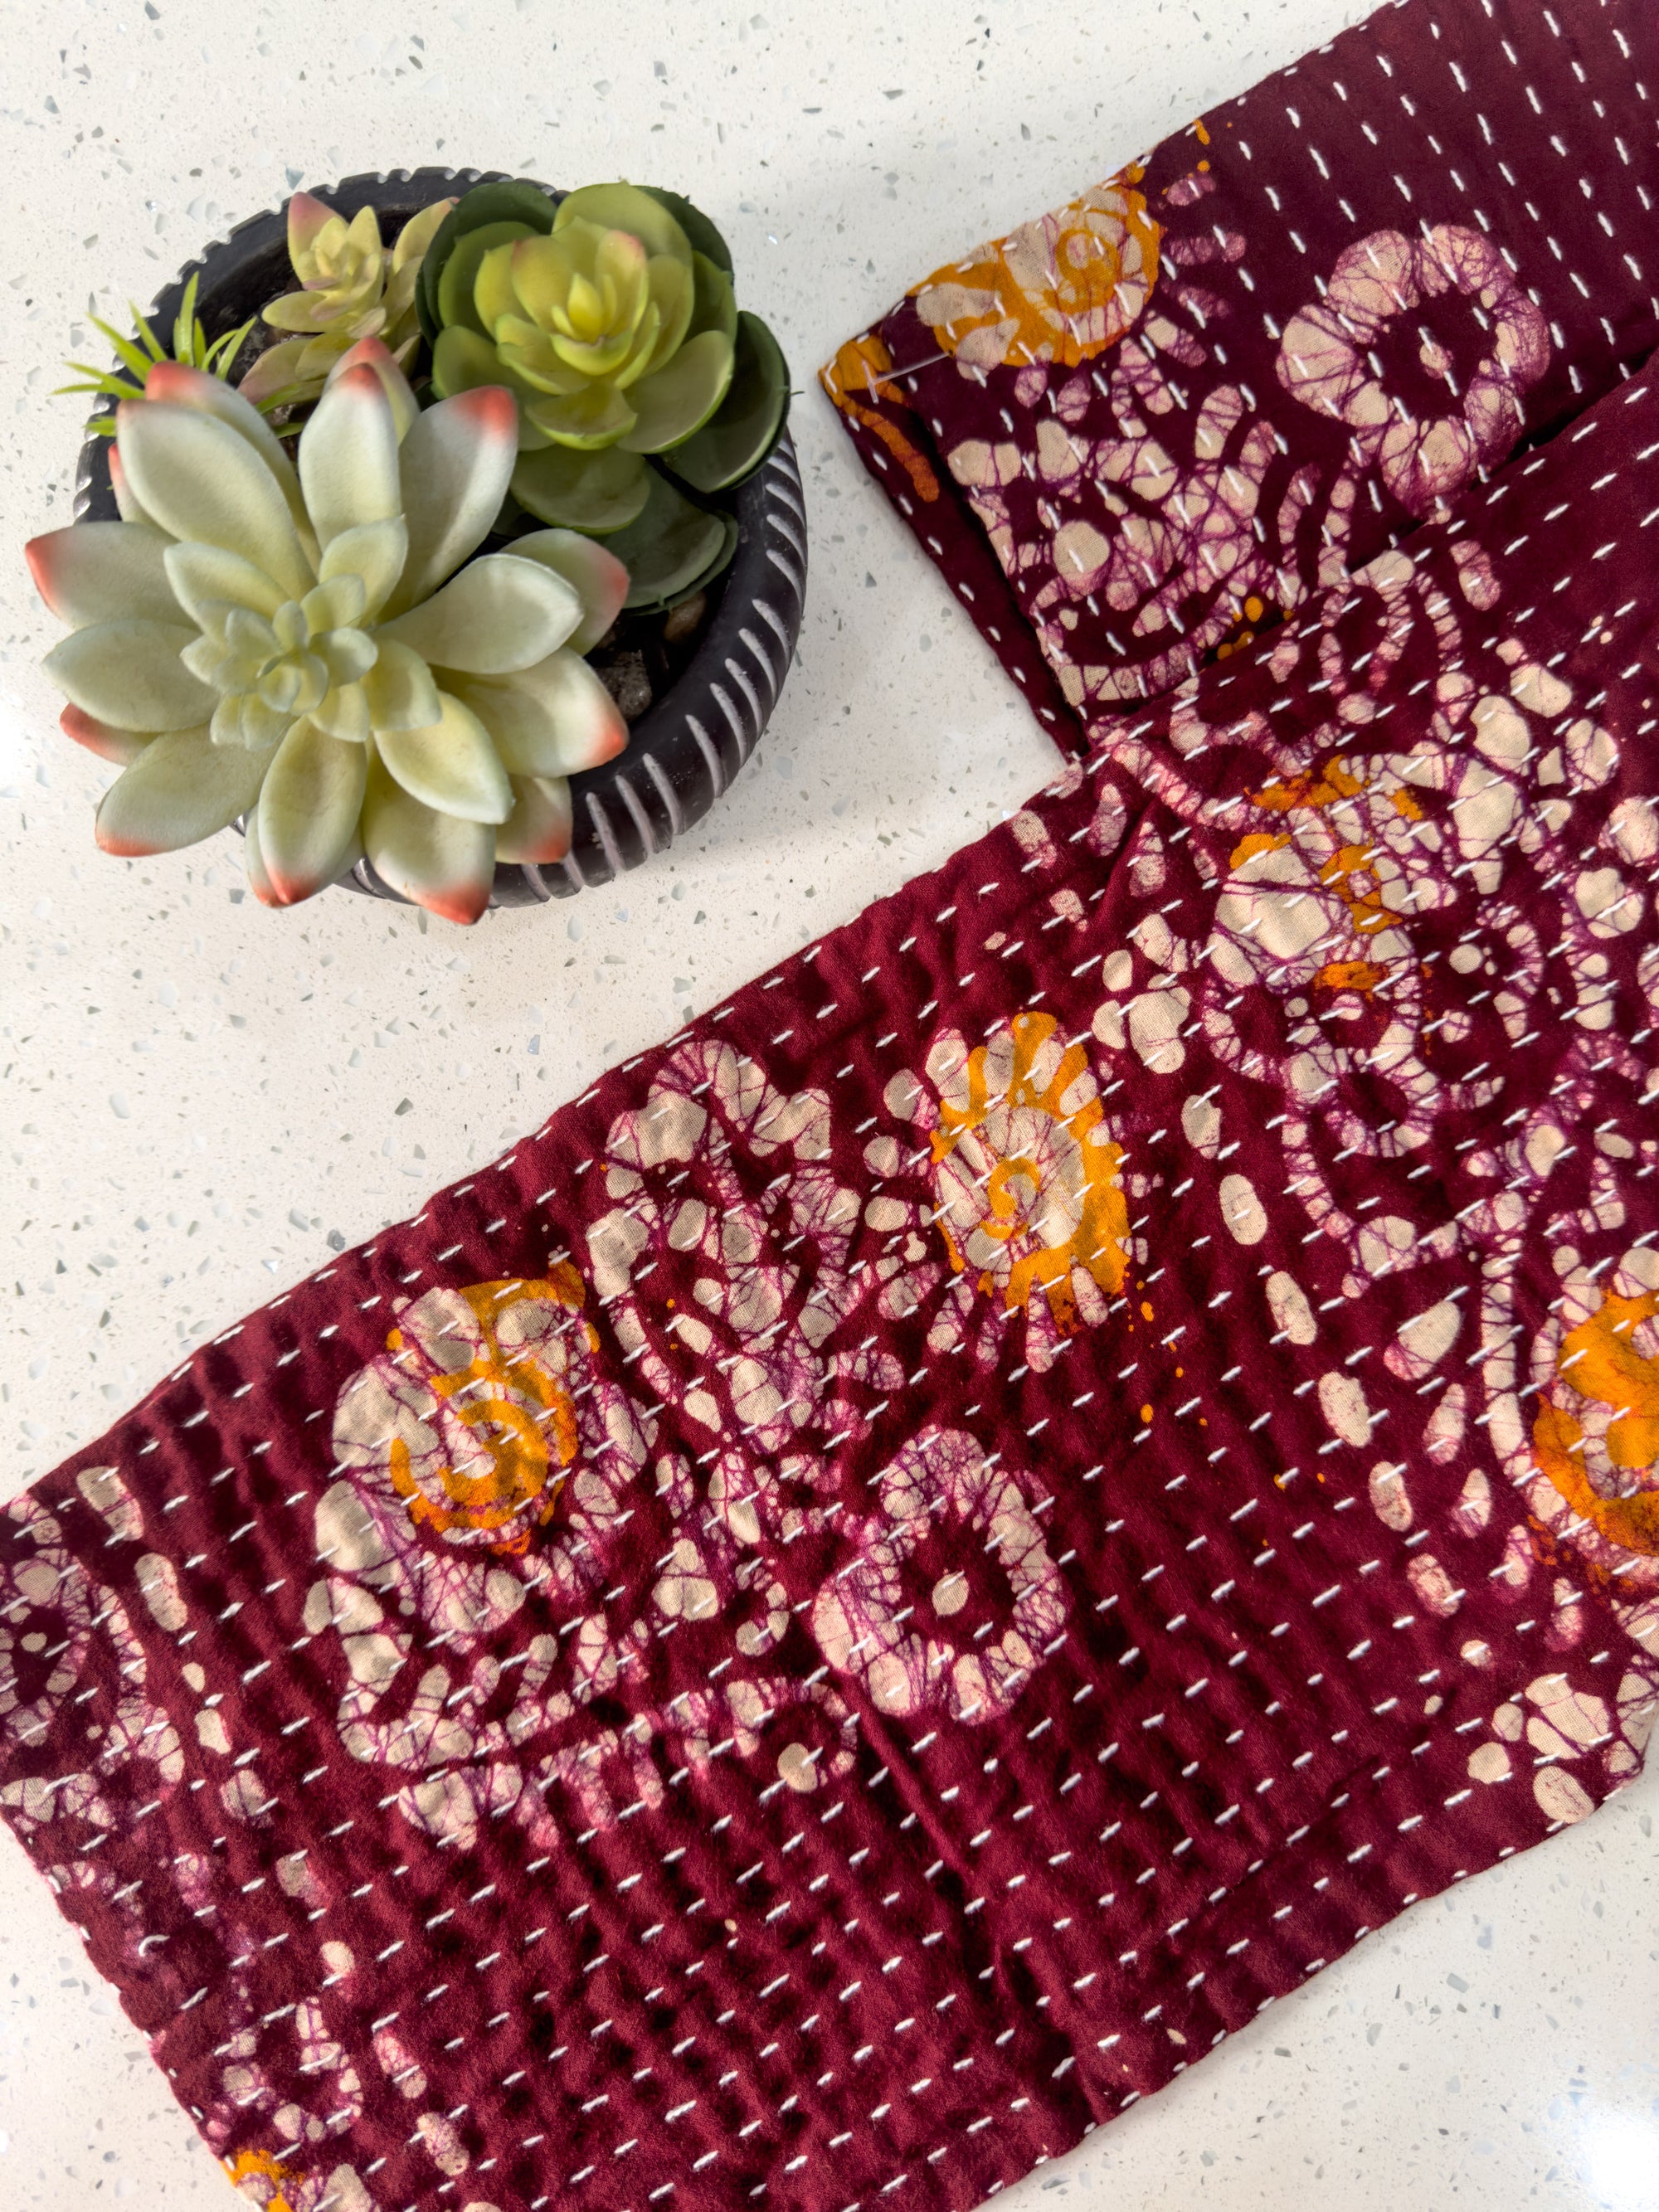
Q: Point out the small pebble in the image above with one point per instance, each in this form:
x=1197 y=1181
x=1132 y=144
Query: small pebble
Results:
x=625 y=679
x=685 y=620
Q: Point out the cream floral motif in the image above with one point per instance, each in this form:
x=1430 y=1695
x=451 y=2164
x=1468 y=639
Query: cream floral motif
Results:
x=745 y=1347
x=1328 y=358
x=468 y=1414
x=1154 y=519
x=1026 y=1198
x=434 y=1523
x=60 y=1633
x=1062 y=289
x=726 y=1270
x=953 y=1596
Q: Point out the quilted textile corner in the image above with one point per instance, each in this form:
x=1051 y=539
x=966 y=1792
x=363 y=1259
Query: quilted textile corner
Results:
x=1144 y=427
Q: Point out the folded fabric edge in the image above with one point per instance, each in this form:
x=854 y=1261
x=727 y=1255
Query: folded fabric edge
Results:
x=896 y=447
x=1135 y=430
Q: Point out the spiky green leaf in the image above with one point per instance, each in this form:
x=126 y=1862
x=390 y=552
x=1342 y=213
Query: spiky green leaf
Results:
x=139 y=362
x=185 y=325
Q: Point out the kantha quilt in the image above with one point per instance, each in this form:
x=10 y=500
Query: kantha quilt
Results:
x=927 y=1549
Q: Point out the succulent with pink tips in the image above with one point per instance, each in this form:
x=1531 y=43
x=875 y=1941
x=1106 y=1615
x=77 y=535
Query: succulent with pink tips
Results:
x=351 y=288
x=309 y=644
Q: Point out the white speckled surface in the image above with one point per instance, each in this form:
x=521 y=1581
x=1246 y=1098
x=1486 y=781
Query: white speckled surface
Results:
x=199 y=1097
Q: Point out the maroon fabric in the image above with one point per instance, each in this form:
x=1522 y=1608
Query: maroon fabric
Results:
x=1137 y=430
x=669 y=1672
x=928 y=1547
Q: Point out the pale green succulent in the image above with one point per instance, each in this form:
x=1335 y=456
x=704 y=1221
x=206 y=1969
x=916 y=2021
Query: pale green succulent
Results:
x=643 y=393
x=591 y=322
x=303 y=646
x=139 y=355
x=351 y=288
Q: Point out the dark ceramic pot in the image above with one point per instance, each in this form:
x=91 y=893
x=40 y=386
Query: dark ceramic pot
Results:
x=689 y=744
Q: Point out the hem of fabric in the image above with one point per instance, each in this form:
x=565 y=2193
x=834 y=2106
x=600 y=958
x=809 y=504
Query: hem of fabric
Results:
x=970 y=568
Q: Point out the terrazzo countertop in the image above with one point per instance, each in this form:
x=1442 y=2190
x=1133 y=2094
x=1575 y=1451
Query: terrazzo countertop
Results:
x=202 y=1099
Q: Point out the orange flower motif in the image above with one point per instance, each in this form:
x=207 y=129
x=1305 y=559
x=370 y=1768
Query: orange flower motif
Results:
x=470 y=1407
x=1598 y=1442
x=1061 y=290
x=1027 y=1177
x=1022 y=1185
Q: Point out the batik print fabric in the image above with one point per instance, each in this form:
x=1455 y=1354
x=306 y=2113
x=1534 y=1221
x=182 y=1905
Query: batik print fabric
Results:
x=1142 y=428
x=927 y=1549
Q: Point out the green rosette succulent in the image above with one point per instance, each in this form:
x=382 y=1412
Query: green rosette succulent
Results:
x=310 y=645
x=351 y=288
x=642 y=392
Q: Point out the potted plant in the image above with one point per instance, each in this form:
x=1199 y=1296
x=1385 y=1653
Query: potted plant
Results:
x=454 y=548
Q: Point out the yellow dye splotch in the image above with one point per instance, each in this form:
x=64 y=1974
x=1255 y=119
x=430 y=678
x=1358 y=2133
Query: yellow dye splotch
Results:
x=1031 y=1131
x=1061 y=290
x=517 y=1413
x=863 y=365
x=267 y=2176
x=1602 y=1365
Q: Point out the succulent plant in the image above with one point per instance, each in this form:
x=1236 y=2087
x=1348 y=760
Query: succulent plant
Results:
x=307 y=643
x=351 y=288
x=140 y=354
x=643 y=391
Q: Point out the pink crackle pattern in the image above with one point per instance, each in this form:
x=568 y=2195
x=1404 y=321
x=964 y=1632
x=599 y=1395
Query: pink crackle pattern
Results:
x=1348 y=294
x=921 y=1553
